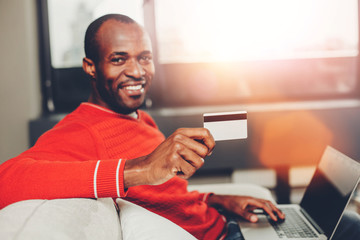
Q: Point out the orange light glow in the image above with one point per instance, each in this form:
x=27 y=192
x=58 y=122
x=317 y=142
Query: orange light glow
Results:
x=293 y=139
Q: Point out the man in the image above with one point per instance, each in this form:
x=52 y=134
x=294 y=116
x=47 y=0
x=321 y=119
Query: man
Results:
x=109 y=148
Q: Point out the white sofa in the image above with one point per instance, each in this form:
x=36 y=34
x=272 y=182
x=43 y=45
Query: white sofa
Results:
x=90 y=219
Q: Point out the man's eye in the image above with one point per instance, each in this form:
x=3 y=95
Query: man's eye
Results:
x=145 y=59
x=117 y=60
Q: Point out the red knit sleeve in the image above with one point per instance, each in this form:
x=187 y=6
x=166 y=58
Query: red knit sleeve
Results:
x=61 y=167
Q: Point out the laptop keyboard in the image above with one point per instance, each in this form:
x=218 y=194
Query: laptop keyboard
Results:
x=293 y=226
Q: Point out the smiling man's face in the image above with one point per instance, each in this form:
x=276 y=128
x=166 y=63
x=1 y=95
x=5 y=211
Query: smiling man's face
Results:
x=125 y=68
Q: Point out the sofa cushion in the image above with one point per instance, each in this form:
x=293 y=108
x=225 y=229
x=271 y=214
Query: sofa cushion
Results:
x=244 y=189
x=140 y=224
x=64 y=219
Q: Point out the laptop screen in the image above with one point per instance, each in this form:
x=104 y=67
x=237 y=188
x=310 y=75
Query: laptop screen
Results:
x=330 y=189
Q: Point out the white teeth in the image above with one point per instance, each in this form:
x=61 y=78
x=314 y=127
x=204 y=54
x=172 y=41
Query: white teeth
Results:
x=133 y=88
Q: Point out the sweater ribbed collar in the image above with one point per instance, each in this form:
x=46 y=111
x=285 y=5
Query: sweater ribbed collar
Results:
x=134 y=114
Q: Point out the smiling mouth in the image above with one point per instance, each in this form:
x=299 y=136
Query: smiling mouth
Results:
x=134 y=89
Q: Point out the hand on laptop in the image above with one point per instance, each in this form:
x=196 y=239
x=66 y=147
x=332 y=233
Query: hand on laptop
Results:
x=244 y=206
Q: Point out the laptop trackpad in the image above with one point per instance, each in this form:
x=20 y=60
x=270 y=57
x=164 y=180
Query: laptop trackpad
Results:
x=260 y=230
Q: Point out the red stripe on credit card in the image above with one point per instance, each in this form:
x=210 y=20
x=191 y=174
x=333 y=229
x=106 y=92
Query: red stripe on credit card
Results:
x=225 y=117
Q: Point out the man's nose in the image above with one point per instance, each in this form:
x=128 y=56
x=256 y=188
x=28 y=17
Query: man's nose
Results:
x=134 y=69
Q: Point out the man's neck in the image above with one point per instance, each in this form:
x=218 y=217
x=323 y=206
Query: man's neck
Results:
x=133 y=114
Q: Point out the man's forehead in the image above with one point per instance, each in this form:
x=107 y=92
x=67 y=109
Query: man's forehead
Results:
x=116 y=33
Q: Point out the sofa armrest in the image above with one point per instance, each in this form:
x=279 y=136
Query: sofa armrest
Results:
x=67 y=219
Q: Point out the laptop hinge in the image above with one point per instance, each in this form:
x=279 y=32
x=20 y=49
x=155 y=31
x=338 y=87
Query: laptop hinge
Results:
x=315 y=225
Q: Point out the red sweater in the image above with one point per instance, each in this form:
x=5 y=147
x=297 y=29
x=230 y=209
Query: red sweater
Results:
x=84 y=156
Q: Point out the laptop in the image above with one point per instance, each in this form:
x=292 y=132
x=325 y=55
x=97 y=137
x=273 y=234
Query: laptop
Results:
x=321 y=208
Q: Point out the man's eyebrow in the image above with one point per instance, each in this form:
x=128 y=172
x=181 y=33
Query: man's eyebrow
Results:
x=146 y=52
x=119 y=53
x=125 y=53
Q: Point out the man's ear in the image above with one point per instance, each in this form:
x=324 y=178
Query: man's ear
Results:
x=89 y=67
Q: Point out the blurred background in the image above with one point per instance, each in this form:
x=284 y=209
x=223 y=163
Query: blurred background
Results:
x=293 y=65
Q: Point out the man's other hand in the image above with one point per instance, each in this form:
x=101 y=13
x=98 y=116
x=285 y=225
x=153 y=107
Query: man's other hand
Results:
x=181 y=154
x=245 y=205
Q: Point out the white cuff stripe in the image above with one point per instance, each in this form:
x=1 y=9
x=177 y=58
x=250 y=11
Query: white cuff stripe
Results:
x=95 y=174
x=205 y=196
x=117 y=178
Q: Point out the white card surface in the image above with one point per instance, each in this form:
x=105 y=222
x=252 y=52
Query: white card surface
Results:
x=226 y=125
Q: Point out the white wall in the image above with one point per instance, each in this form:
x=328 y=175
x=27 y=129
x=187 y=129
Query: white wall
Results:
x=20 y=97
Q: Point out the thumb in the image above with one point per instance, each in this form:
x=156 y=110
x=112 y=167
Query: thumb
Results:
x=251 y=217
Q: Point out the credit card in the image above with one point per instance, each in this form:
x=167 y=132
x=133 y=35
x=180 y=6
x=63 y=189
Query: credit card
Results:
x=226 y=125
